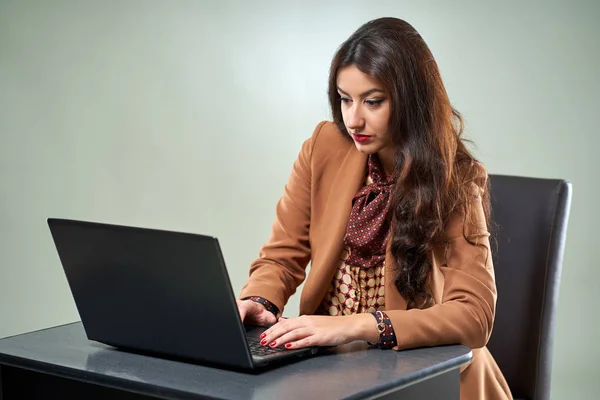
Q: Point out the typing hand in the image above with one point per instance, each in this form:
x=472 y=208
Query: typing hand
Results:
x=317 y=330
x=253 y=313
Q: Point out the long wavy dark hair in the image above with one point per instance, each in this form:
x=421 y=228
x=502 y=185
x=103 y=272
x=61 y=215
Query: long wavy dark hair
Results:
x=434 y=166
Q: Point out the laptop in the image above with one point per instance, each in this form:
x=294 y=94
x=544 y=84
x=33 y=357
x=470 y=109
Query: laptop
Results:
x=160 y=292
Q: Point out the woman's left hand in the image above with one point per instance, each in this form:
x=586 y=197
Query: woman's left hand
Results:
x=317 y=330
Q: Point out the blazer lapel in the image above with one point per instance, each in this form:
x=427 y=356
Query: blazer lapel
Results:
x=348 y=181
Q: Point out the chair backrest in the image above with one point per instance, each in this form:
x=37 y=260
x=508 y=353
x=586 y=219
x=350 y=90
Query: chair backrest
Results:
x=529 y=228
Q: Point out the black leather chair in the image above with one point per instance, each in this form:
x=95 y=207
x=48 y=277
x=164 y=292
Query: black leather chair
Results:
x=529 y=225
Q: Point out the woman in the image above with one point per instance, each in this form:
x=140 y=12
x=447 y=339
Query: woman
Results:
x=391 y=209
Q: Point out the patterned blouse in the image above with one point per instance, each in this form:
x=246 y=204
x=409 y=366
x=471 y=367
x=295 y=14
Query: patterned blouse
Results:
x=355 y=289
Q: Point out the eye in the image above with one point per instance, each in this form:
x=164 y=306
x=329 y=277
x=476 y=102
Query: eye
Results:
x=373 y=102
x=345 y=99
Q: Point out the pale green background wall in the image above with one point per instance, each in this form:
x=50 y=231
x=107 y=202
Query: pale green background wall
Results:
x=188 y=116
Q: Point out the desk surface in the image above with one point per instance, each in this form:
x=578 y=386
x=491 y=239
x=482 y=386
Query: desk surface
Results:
x=349 y=372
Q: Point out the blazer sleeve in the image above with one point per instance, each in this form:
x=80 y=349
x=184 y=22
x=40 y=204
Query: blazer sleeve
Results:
x=465 y=314
x=281 y=265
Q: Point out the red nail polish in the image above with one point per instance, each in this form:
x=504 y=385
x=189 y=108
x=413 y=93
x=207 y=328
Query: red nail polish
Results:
x=272 y=344
x=263 y=342
x=262 y=335
x=288 y=345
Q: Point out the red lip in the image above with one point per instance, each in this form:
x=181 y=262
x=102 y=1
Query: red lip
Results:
x=361 y=138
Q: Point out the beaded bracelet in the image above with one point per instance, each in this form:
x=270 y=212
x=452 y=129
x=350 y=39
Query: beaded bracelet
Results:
x=387 y=338
x=272 y=308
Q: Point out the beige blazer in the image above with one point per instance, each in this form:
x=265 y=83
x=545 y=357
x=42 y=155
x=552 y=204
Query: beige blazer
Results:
x=310 y=224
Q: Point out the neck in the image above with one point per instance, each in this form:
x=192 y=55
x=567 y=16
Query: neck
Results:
x=386 y=156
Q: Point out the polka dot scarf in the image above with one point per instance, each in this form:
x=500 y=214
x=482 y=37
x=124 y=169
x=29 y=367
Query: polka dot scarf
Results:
x=368 y=226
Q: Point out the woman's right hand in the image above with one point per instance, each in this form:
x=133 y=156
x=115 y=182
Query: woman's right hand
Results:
x=253 y=313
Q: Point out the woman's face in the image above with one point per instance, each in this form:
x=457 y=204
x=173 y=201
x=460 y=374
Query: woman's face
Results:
x=365 y=109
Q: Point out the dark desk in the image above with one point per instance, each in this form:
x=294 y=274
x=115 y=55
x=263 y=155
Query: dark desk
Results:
x=61 y=363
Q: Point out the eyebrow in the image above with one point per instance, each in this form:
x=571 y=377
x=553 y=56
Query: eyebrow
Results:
x=362 y=95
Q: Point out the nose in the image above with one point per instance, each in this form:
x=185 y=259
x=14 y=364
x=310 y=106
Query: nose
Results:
x=353 y=118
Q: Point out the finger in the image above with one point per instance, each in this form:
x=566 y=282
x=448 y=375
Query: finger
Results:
x=250 y=310
x=274 y=332
x=291 y=336
x=284 y=323
x=280 y=324
x=281 y=328
x=242 y=311
x=306 y=341
x=266 y=318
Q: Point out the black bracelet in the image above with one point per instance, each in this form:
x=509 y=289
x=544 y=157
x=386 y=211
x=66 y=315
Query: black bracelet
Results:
x=272 y=308
x=387 y=337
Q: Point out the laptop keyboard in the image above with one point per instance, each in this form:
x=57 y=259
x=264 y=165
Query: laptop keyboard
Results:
x=258 y=350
